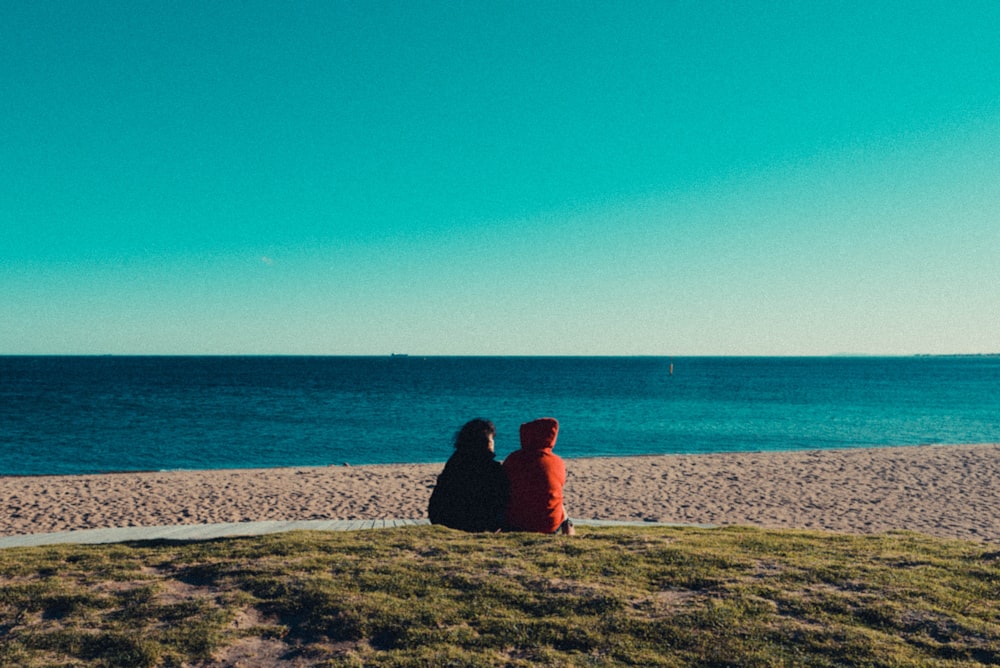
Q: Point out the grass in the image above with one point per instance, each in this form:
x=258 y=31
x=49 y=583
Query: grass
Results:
x=431 y=596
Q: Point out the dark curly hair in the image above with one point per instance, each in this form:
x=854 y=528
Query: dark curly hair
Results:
x=475 y=435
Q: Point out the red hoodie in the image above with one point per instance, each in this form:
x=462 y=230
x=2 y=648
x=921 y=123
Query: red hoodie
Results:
x=536 y=479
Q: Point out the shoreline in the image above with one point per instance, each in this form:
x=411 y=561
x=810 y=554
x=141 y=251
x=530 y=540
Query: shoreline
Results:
x=949 y=491
x=441 y=463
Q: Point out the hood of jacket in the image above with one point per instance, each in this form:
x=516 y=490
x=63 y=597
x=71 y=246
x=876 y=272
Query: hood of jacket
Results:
x=539 y=434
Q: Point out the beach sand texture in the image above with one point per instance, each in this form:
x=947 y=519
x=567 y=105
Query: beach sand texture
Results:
x=945 y=491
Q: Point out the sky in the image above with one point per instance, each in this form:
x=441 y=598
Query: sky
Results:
x=499 y=178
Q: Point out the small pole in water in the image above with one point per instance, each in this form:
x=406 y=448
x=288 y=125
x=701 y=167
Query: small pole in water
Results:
x=671 y=368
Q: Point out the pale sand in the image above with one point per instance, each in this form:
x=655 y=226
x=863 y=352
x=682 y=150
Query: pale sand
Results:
x=946 y=491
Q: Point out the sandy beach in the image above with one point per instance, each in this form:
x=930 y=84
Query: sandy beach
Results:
x=945 y=491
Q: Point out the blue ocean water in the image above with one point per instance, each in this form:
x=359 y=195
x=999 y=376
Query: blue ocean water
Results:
x=65 y=415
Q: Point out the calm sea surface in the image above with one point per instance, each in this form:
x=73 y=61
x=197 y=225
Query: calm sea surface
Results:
x=88 y=414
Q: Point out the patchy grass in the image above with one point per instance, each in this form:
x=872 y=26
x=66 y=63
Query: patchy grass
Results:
x=431 y=596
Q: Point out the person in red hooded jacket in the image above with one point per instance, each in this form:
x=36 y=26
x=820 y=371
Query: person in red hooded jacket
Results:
x=536 y=479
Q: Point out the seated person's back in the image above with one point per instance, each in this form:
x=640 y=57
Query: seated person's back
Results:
x=536 y=479
x=472 y=490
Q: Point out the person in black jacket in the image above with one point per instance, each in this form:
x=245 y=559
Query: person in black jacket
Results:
x=472 y=491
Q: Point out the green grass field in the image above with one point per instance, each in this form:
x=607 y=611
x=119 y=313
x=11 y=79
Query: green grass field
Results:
x=431 y=596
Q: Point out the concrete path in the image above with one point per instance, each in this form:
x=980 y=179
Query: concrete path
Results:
x=231 y=529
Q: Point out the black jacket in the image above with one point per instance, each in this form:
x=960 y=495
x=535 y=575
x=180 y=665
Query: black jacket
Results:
x=471 y=493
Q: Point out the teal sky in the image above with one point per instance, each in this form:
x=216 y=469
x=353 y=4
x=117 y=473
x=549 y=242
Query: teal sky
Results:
x=499 y=178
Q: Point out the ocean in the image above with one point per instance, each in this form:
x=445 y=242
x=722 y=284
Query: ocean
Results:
x=71 y=415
